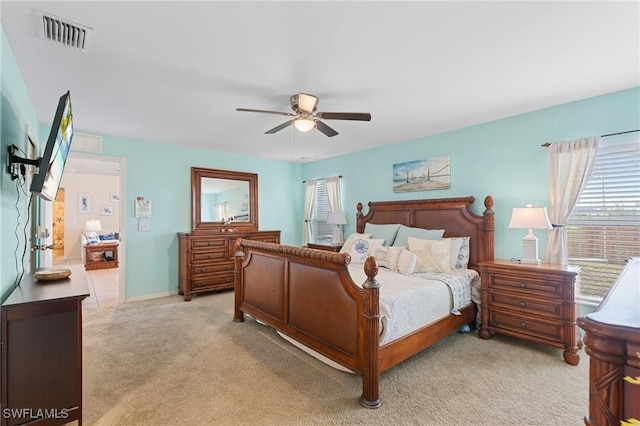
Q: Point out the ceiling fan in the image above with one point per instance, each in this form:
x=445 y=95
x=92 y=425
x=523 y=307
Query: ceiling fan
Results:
x=306 y=118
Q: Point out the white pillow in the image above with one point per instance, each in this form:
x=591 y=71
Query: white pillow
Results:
x=387 y=257
x=454 y=250
x=463 y=254
x=346 y=247
x=363 y=248
x=406 y=262
x=433 y=255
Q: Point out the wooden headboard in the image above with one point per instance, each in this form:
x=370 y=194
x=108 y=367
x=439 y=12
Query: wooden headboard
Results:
x=451 y=214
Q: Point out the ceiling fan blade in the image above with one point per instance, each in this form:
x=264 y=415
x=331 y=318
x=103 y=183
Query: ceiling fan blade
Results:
x=280 y=127
x=307 y=103
x=328 y=131
x=357 y=116
x=265 y=111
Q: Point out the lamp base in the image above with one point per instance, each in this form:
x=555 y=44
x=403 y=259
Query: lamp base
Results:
x=530 y=250
x=336 y=237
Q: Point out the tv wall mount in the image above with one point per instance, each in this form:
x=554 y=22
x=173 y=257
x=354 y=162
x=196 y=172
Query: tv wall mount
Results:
x=16 y=165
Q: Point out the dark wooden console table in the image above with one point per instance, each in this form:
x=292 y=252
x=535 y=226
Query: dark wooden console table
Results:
x=612 y=340
x=42 y=351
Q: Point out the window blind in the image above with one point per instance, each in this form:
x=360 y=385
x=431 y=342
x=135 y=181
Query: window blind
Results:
x=604 y=229
x=321 y=231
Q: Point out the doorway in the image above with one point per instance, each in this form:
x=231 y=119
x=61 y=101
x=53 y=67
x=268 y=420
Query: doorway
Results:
x=101 y=181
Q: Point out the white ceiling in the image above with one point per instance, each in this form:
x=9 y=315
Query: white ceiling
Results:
x=174 y=72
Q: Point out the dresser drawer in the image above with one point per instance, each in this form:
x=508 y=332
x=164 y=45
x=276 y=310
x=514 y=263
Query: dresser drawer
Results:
x=533 y=286
x=208 y=256
x=212 y=280
x=525 y=326
x=521 y=304
x=216 y=267
x=200 y=243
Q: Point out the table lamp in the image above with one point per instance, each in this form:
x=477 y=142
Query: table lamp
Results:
x=91 y=226
x=530 y=218
x=337 y=219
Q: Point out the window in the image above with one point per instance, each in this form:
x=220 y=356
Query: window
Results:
x=604 y=229
x=321 y=232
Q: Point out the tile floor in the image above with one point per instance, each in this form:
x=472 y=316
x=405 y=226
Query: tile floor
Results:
x=103 y=289
x=103 y=285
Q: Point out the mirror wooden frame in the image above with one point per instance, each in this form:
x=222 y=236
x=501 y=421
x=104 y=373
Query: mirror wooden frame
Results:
x=197 y=173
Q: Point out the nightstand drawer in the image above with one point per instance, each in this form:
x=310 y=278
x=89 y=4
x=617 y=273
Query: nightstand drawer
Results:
x=213 y=280
x=522 y=325
x=208 y=256
x=531 y=285
x=522 y=304
x=208 y=243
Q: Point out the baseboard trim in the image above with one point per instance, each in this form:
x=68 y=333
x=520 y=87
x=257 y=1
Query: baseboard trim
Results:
x=150 y=296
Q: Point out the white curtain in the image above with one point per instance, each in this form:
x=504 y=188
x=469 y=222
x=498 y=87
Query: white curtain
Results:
x=570 y=165
x=222 y=211
x=333 y=193
x=309 y=199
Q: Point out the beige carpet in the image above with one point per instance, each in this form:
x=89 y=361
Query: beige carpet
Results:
x=167 y=362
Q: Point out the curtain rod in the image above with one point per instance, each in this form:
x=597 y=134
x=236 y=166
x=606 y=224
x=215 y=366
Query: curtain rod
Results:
x=304 y=181
x=548 y=144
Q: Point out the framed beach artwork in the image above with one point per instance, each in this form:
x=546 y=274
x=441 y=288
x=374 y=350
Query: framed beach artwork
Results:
x=84 y=203
x=422 y=175
x=107 y=211
x=114 y=197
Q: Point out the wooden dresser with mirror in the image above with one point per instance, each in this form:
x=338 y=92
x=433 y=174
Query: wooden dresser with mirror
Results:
x=224 y=207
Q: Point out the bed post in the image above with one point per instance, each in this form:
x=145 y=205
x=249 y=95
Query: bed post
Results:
x=488 y=230
x=359 y=217
x=370 y=397
x=238 y=315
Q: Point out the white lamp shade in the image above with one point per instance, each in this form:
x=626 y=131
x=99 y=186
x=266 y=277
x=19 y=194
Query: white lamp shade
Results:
x=530 y=218
x=336 y=218
x=304 y=124
x=92 y=225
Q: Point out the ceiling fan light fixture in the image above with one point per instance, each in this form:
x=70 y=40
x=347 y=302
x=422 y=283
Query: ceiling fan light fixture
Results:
x=304 y=124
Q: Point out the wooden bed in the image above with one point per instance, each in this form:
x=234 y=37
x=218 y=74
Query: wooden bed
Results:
x=308 y=294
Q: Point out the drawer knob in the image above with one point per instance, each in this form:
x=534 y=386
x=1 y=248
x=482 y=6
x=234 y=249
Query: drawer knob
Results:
x=523 y=304
x=209 y=243
x=202 y=270
x=228 y=280
x=229 y=267
x=523 y=324
x=523 y=285
x=210 y=257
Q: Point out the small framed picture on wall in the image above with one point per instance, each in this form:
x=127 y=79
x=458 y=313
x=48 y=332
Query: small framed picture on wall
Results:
x=107 y=211
x=114 y=197
x=84 y=203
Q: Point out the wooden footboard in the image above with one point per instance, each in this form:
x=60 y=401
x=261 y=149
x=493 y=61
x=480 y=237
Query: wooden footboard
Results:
x=309 y=295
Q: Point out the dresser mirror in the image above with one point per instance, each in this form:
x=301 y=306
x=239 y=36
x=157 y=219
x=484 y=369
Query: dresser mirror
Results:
x=223 y=200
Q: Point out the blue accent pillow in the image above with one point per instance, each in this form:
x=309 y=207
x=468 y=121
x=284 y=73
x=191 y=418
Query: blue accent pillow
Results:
x=387 y=232
x=402 y=238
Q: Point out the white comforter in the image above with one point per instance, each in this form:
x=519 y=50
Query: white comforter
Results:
x=409 y=302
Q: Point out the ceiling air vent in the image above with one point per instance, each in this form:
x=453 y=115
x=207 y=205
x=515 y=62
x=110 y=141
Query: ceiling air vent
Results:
x=62 y=31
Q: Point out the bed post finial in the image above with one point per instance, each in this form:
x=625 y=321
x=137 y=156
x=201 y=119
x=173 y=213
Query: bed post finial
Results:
x=238 y=315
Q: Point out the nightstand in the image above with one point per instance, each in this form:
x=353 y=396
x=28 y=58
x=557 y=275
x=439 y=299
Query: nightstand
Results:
x=327 y=247
x=531 y=302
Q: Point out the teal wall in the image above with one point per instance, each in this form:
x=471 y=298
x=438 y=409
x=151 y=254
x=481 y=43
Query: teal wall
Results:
x=502 y=158
x=16 y=113
x=162 y=174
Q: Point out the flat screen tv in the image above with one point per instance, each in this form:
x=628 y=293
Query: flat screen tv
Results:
x=46 y=181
